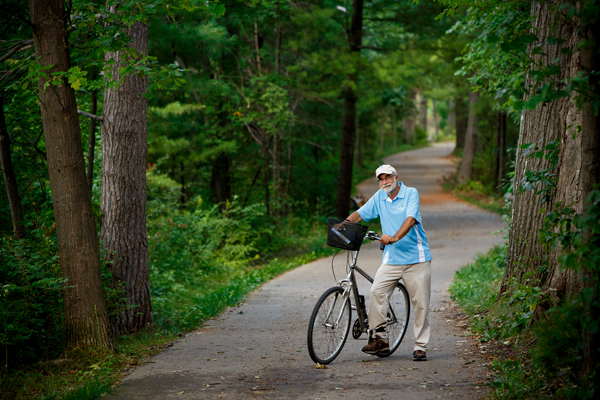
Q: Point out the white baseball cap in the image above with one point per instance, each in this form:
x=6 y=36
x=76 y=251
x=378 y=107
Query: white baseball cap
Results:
x=385 y=169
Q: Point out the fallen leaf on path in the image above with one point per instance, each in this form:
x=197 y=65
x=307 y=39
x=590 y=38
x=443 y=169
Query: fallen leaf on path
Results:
x=182 y=392
x=320 y=366
x=338 y=388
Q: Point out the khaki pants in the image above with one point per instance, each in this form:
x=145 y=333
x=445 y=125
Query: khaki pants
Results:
x=417 y=279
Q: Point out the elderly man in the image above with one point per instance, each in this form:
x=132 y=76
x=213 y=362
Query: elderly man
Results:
x=406 y=256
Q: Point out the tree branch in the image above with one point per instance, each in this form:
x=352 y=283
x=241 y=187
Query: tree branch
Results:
x=16 y=47
x=92 y=116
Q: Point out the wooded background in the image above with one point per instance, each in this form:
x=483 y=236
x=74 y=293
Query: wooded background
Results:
x=149 y=147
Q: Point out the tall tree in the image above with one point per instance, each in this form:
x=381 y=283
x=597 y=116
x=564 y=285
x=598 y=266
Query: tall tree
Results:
x=550 y=128
x=501 y=144
x=590 y=159
x=466 y=167
x=344 y=187
x=462 y=121
x=92 y=138
x=123 y=200
x=86 y=318
x=423 y=112
x=409 y=117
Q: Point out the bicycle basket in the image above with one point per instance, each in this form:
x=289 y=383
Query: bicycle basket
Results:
x=347 y=236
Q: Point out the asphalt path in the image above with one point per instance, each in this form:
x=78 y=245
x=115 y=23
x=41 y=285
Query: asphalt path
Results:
x=258 y=349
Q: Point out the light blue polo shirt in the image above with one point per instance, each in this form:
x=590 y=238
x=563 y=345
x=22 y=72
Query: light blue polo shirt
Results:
x=412 y=248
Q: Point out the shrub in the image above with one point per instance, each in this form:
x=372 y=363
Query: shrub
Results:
x=31 y=307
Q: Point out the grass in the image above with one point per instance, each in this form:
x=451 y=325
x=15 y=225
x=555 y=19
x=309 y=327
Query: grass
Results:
x=477 y=194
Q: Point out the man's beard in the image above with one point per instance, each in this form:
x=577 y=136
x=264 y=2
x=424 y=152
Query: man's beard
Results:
x=389 y=189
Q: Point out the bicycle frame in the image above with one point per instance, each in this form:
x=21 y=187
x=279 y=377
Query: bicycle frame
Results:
x=350 y=285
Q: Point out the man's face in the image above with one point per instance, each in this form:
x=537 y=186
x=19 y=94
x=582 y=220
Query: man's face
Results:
x=387 y=182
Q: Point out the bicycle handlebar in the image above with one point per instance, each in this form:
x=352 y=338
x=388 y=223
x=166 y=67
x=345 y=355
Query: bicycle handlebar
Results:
x=373 y=236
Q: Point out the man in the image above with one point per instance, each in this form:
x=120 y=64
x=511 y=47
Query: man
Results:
x=406 y=256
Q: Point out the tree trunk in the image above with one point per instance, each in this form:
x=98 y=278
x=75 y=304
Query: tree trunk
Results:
x=344 y=187
x=452 y=117
x=10 y=181
x=380 y=135
x=409 y=118
x=290 y=163
x=423 y=113
x=276 y=155
x=501 y=144
x=394 y=130
x=92 y=139
x=590 y=172
x=278 y=51
x=462 y=120
x=123 y=200
x=182 y=177
x=257 y=49
x=266 y=178
x=466 y=167
x=527 y=258
x=86 y=320
x=435 y=119
x=220 y=181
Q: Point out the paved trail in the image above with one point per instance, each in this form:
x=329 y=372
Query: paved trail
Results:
x=258 y=350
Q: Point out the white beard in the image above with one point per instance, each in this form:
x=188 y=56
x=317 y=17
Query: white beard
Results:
x=390 y=188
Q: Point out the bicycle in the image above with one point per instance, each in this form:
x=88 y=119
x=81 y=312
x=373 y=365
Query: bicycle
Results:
x=331 y=318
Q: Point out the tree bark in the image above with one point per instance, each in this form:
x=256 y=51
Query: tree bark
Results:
x=123 y=199
x=436 y=126
x=501 y=144
x=257 y=48
x=590 y=172
x=92 y=139
x=359 y=140
x=86 y=319
x=394 y=130
x=527 y=258
x=462 y=121
x=423 y=113
x=409 y=118
x=452 y=117
x=380 y=135
x=344 y=187
x=221 y=179
x=466 y=167
x=10 y=180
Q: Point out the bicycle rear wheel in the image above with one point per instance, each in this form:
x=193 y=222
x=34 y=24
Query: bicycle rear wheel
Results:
x=397 y=316
x=329 y=326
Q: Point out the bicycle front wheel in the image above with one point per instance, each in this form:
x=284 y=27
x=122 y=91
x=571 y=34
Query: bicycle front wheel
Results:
x=329 y=326
x=397 y=316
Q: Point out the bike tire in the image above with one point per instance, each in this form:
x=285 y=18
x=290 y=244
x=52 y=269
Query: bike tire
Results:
x=326 y=338
x=396 y=327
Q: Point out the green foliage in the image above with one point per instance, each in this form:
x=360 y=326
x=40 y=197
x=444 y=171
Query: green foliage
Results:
x=475 y=288
x=543 y=181
x=31 y=319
